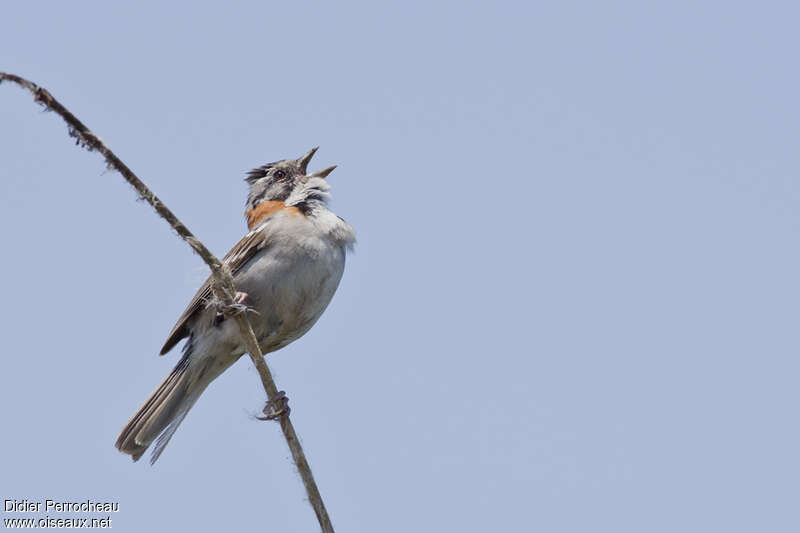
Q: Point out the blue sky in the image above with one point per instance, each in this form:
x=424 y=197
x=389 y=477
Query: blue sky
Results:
x=572 y=306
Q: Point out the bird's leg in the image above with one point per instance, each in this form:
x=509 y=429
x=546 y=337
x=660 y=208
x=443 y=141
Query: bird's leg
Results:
x=276 y=408
x=236 y=308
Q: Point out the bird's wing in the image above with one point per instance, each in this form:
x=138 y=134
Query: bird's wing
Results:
x=239 y=255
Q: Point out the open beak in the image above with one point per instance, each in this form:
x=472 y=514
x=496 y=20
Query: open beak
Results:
x=303 y=161
x=322 y=173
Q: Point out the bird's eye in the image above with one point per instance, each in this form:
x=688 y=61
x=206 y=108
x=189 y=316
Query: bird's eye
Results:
x=280 y=174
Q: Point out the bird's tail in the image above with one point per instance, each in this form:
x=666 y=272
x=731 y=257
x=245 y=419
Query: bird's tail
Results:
x=163 y=411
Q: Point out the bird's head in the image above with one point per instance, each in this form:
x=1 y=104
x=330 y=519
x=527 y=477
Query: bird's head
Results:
x=275 y=182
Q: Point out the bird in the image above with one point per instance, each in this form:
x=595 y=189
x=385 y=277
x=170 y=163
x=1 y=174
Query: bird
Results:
x=285 y=269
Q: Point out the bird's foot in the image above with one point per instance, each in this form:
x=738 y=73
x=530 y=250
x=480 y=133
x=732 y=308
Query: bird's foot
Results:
x=277 y=407
x=236 y=308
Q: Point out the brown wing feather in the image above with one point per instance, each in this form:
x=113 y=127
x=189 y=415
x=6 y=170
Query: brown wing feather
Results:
x=238 y=256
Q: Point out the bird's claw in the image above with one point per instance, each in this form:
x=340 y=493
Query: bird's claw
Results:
x=236 y=308
x=275 y=408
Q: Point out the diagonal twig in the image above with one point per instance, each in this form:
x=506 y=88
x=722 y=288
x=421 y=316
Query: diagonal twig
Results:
x=222 y=285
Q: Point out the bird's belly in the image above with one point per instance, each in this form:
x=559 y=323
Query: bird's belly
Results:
x=289 y=293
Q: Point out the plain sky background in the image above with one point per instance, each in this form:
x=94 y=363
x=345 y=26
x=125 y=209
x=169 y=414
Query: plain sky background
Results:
x=573 y=306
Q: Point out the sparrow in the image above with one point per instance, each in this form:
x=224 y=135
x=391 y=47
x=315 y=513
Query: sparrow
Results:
x=285 y=269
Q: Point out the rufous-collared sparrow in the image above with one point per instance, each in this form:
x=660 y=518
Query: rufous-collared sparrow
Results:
x=286 y=270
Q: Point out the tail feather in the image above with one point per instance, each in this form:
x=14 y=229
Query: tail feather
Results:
x=167 y=434
x=164 y=409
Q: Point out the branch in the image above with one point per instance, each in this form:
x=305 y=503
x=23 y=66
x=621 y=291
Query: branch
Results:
x=222 y=286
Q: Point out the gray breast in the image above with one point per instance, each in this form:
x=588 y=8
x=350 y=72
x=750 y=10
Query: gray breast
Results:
x=289 y=291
